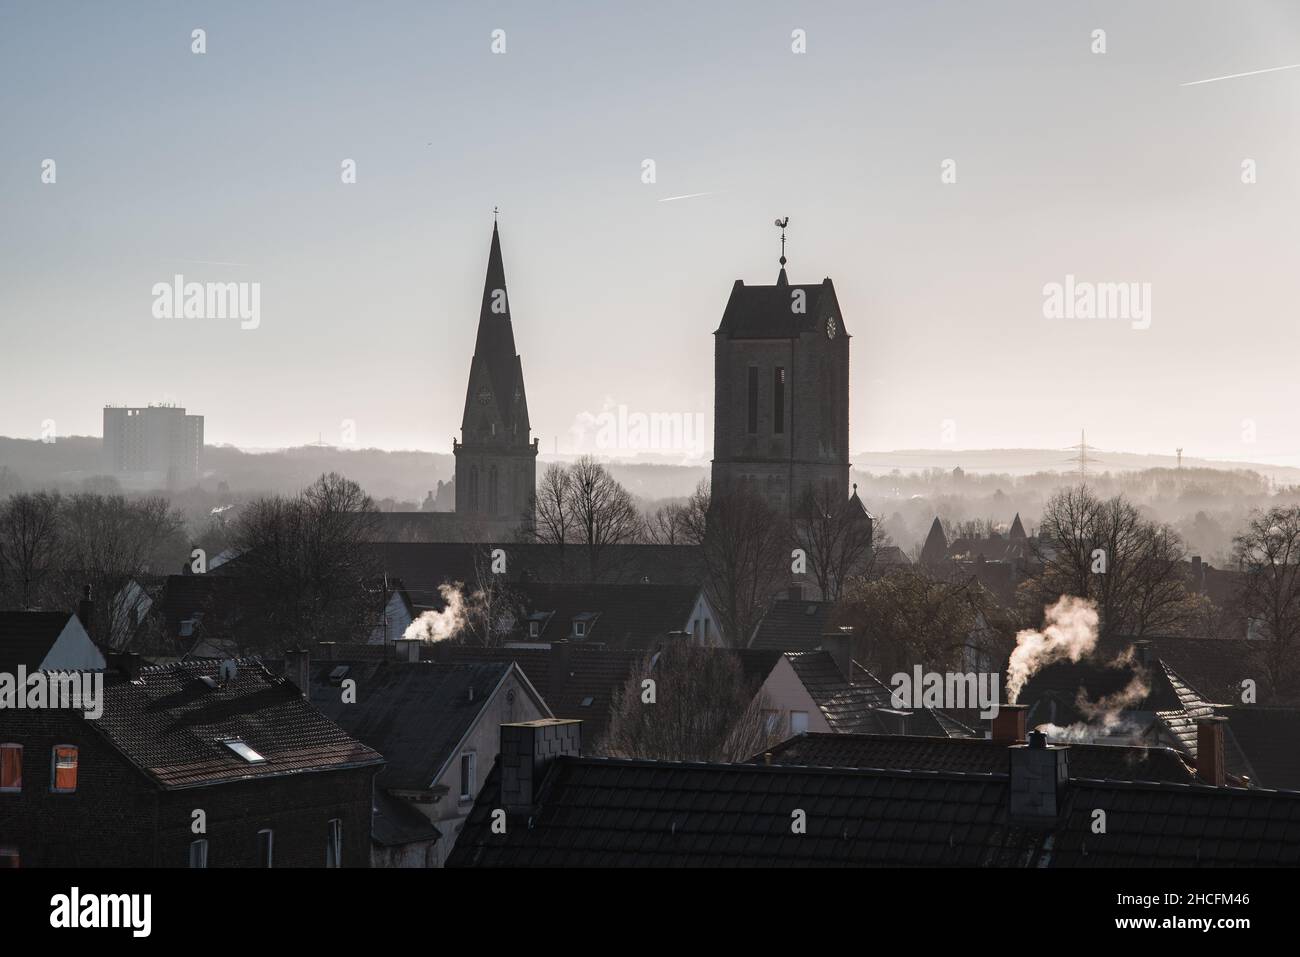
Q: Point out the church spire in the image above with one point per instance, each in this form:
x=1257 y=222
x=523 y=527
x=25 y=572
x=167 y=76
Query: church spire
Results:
x=496 y=378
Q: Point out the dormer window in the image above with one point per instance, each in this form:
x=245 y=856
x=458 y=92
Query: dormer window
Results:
x=534 y=629
x=579 y=629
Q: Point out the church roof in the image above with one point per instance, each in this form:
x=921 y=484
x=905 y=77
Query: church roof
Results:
x=935 y=548
x=765 y=312
x=1017 y=532
x=495 y=359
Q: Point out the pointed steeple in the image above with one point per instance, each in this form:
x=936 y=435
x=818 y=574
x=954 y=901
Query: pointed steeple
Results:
x=935 y=549
x=496 y=379
x=1017 y=533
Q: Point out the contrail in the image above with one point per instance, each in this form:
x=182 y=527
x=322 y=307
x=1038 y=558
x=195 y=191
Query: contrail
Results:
x=1233 y=76
x=669 y=199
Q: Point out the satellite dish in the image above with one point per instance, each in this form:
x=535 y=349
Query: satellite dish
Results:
x=228 y=670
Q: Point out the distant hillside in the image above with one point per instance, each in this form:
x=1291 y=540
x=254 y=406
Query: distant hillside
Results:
x=1029 y=461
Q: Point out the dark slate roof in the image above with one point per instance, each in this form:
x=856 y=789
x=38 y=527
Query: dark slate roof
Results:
x=765 y=312
x=413 y=713
x=971 y=755
x=395 y=822
x=170 y=725
x=626 y=615
x=1095 y=677
x=1215 y=667
x=26 y=637
x=1270 y=741
x=855 y=707
x=579 y=683
x=594 y=812
x=792 y=625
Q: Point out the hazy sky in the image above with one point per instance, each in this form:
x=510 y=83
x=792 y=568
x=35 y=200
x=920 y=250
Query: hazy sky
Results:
x=225 y=166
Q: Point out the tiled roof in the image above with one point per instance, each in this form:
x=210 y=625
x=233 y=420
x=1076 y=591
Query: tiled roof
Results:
x=413 y=713
x=626 y=615
x=395 y=822
x=792 y=625
x=856 y=707
x=171 y=726
x=616 y=813
x=764 y=312
x=26 y=637
x=971 y=755
x=1269 y=739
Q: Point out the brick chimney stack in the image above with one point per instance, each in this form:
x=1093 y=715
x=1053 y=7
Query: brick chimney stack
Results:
x=297 y=668
x=527 y=750
x=408 y=649
x=1040 y=774
x=1008 y=726
x=839 y=645
x=1209 y=751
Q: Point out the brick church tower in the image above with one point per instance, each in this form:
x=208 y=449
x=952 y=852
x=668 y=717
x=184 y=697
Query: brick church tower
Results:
x=781 y=392
x=496 y=460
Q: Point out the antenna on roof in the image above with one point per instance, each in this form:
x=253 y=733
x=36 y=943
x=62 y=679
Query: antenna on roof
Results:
x=781 y=224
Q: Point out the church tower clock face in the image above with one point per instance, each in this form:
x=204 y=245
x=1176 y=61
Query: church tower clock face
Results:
x=831 y=327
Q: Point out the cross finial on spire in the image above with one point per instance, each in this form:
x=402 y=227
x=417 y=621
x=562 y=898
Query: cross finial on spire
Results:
x=495 y=210
x=781 y=224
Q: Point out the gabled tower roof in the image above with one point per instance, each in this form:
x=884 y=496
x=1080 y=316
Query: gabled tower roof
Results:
x=1017 y=532
x=935 y=549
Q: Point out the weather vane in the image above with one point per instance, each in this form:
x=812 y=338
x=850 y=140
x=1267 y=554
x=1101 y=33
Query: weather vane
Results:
x=495 y=210
x=781 y=224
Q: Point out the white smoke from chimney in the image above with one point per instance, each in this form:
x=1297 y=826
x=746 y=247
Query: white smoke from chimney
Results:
x=1070 y=632
x=440 y=625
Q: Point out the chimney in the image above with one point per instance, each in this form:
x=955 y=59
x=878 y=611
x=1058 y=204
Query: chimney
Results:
x=1008 y=725
x=1209 y=750
x=297 y=668
x=86 y=612
x=1039 y=775
x=408 y=649
x=839 y=645
x=560 y=668
x=1142 y=653
x=527 y=750
x=796 y=592
x=128 y=663
x=326 y=649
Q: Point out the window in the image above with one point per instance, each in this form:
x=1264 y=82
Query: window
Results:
x=265 y=848
x=468 y=773
x=579 y=629
x=534 y=629
x=11 y=767
x=778 y=400
x=199 y=853
x=334 y=844
x=63 y=779
x=798 y=722
x=244 y=751
x=753 y=400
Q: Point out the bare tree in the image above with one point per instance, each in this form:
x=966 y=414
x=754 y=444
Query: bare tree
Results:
x=668 y=525
x=307 y=573
x=583 y=506
x=690 y=703
x=1268 y=554
x=108 y=542
x=29 y=544
x=838 y=537
x=746 y=550
x=1103 y=549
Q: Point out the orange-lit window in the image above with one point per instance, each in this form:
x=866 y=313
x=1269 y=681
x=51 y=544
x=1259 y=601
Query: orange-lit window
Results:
x=11 y=767
x=65 y=768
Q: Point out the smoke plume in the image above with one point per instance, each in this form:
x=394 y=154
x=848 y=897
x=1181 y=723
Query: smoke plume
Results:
x=440 y=625
x=1070 y=632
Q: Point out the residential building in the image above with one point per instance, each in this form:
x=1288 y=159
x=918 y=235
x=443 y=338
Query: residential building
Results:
x=156 y=444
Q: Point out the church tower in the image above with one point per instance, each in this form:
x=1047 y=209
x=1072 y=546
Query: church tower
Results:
x=781 y=392
x=496 y=460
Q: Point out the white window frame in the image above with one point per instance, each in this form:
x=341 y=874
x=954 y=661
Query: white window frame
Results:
x=468 y=788
x=54 y=768
x=799 y=714
x=334 y=843
x=579 y=629
x=270 y=847
x=14 y=745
